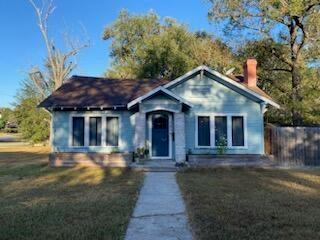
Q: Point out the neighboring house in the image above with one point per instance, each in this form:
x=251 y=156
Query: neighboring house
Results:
x=102 y=120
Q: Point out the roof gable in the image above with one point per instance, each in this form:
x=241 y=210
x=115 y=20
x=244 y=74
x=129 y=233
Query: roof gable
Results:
x=253 y=92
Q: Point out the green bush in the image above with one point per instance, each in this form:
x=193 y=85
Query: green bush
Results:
x=33 y=122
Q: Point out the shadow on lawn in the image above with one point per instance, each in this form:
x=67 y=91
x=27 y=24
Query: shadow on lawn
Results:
x=242 y=203
x=38 y=178
x=66 y=203
x=295 y=181
x=288 y=181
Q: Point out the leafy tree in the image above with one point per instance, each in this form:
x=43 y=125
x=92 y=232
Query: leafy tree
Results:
x=33 y=123
x=6 y=116
x=277 y=82
x=145 y=46
x=2 y=123
x=311 y=101
x=293 y=24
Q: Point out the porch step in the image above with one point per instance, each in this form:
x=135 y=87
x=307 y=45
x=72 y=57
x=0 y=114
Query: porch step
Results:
x=153 y=169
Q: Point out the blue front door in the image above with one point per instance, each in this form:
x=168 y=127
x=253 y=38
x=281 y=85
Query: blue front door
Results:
x=160 y=135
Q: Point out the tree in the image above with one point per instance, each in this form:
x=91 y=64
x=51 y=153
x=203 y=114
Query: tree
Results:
x=6 y=116
x=31 y=120
x=293 y=24
x=144 y=46
x=277 y=83
x=59 y=64
x=34 y=123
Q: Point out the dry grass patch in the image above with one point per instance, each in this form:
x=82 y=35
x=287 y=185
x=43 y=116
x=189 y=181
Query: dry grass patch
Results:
x=13 y=135
x=252 y=203
x=39 y=202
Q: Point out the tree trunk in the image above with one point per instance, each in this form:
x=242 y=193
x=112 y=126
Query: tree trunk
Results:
x=296 y=96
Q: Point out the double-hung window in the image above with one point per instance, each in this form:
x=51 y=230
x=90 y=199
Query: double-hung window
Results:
x=216 y=130
x=237 y=131
x=78 y=131
x=112 y=131
x=221 y=130
x=95 y=131
x=203 y=131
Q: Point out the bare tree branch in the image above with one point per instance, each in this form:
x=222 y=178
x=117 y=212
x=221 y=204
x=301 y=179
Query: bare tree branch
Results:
x=58 y=64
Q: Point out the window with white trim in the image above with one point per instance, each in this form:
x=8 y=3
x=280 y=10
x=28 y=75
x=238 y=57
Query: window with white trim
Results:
x=221 y=130
x=203 y=131
x=214 y=130
x=112 y=131
x=237 y=131
x=95 y=131
x=78 y=131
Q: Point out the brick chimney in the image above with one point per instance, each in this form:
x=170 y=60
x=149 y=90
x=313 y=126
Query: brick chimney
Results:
x=250 y=72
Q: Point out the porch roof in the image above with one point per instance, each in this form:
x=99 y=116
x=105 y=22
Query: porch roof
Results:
x=155 y=91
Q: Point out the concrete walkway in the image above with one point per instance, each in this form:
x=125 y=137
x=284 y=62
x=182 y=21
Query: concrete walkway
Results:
x=160 y=211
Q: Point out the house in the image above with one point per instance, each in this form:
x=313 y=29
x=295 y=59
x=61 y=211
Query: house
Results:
x=103 y=121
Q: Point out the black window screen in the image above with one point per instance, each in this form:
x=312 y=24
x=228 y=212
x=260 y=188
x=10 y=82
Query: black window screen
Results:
x=237 y=131
x=112 y=131
x=78 y=131
x=203 y=131
x=95 y=131
x=220 y=130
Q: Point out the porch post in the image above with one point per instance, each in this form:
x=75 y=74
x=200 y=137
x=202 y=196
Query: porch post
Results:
x=180 y=137
x=140 y=130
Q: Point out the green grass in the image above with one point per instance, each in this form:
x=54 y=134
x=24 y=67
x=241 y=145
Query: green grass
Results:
x=39 y=202
x=252 y=204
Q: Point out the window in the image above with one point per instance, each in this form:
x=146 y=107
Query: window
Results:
x=78 y=131
x=112 y=135
x=237 y=131
x=95 y=131
x=221 y=130
x=204 y=131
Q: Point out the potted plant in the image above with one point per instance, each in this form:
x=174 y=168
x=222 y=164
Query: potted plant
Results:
x=141 y=154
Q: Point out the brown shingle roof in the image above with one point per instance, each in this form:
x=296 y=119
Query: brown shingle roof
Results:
x=240 y=79
x=95 y=92
x=81 y=92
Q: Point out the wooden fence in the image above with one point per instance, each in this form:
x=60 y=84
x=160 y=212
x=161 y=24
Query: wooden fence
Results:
x=293 y=145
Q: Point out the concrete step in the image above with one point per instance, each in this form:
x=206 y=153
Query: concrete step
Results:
x=155 y=166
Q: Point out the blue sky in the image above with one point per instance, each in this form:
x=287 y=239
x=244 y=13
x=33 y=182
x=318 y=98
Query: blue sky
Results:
x=21 y=45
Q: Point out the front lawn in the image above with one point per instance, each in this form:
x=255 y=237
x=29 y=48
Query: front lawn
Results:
x=39 y=202
x=240 y=203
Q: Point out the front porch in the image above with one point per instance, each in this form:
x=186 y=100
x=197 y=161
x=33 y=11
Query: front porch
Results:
x=160 y=126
